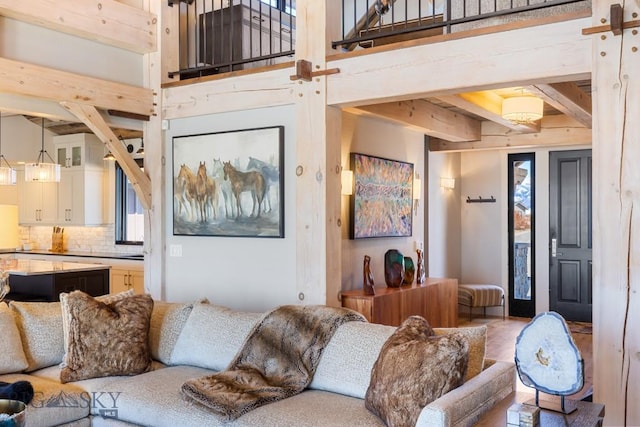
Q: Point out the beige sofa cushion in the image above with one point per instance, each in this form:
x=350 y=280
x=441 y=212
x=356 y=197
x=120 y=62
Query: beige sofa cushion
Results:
x=167 y=321
x=40 y=326
x=212 y=336
x=477 y=337
x=12 y=358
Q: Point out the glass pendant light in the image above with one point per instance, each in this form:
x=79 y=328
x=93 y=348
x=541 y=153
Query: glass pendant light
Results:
x=7 y=173
x=40 y=171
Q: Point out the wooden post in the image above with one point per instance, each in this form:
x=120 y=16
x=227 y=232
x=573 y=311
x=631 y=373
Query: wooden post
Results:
x=318 y=198
x=616 y=222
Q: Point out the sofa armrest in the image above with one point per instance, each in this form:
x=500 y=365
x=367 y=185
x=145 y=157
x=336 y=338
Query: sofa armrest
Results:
x=466 y=404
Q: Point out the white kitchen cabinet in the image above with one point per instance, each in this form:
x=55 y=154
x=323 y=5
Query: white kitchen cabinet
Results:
x=37 y=201
x=80 y=197
x=79 y=150
x=125 y=279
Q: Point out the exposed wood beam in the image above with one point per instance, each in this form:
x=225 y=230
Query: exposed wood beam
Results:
x=556 y=130
x=487 y=104
x=20 y=78
x=92 y=118
x=463 y=65
x=107 y=21
x=426 y=118
x=566 y=97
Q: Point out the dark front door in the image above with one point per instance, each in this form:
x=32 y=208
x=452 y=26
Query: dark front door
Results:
x=570 y=233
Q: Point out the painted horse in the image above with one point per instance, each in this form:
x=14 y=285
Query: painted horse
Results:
x=186 y=183
x=206 y=195
x=271 y=176
x=252 y=181
x=223 y=187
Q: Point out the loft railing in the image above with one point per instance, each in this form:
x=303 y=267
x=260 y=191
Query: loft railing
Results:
x=366 y=23
x=218 y=36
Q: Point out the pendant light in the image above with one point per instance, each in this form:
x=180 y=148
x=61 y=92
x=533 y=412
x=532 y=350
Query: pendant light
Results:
x=522 y=109
x=40 y=171
x=7 y=173
x=140 y=151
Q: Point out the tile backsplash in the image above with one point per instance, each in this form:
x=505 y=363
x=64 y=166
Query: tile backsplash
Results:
x=78 y=239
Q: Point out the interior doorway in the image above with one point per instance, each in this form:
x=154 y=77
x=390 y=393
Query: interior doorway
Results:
x=521 y=187
x=570 y=231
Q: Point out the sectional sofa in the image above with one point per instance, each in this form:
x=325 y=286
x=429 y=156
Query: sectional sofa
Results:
x=191 y=340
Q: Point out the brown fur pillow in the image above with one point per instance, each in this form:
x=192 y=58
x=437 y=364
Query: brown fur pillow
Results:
x=413 y=369
x=107 y=338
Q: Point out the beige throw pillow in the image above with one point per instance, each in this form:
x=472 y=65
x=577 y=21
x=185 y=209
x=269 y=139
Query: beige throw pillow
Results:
x=413 y=369
x=167 y=321
x=12 y=358
x=107 y=339
x=40 y=326
x=477 y=337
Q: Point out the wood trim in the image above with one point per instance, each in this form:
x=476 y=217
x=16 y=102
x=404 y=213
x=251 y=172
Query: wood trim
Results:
x=108 y=21
x=25 y=79
x=92 y=118
x=237 y=73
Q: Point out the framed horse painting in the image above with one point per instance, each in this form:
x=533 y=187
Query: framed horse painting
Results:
x=229 y=183
x=382 y=200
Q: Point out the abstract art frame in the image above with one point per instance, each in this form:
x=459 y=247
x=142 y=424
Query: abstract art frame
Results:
x=382 y=201
x=229 y=183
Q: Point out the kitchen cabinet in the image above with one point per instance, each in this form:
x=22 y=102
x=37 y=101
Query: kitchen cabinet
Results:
x=125 y=279
x=37 y=201
x=78 y=150
x=80 y=200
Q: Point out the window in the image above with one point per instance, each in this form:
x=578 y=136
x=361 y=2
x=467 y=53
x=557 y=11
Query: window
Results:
x=287 y=6
x=129 y=212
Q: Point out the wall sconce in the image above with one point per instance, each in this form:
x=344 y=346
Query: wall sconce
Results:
x=417 y=191
x=448 y=183
x=347 y=182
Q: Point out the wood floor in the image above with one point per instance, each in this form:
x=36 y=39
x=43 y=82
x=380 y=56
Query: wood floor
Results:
x=501 y=340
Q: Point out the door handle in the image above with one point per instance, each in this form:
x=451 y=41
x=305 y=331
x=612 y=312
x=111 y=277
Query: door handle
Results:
x=554 y=248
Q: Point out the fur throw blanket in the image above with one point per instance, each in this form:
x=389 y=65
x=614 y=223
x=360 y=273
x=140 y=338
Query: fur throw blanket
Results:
x=278 y=360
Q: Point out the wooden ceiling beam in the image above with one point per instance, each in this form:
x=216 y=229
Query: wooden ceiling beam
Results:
x=108 y=21
x=92 y=118
x=567 y=98
x=425 y=117
x=20 y=78
x=556 y=130
x=488 y=105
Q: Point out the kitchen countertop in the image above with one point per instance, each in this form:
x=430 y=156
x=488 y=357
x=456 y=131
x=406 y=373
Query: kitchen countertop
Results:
x=27 y=267
x=114 y=255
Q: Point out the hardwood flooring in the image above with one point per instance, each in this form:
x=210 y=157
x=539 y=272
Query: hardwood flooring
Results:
x=501 y=340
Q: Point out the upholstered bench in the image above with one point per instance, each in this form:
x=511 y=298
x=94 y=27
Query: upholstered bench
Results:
x=477 y=295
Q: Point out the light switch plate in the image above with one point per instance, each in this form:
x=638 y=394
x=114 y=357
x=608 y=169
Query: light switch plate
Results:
x=175 y=250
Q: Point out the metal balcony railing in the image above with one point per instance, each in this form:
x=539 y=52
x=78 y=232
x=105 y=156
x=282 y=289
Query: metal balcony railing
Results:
x=218 y=36
x=366 y=23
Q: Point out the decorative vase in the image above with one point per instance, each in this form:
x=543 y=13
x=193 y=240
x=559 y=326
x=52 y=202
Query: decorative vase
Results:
x=367 y=280
x=393 y=268
x=409 y=271
x=420 y=274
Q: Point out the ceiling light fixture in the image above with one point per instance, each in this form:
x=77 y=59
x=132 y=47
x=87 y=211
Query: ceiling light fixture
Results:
x=109 y=156
x=41 y=171
x=522 y=109
x=141 y=149
x=7 y=173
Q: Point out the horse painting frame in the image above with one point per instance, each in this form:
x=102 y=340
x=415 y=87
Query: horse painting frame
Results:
x=229 y=183
x=382 y=201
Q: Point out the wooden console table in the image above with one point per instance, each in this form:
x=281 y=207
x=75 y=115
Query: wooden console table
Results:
x=436 y=300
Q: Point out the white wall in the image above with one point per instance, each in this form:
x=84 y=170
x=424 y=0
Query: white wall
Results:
x=443 y=250
x=24 y=42
x=243 y=273
x=377 y=138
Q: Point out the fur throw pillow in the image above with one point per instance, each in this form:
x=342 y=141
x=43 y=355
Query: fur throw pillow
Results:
x=413 y=369
x=107 y=339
